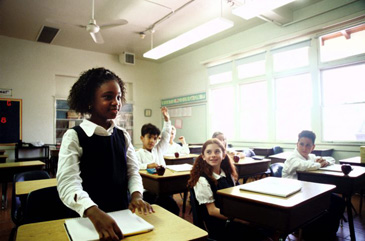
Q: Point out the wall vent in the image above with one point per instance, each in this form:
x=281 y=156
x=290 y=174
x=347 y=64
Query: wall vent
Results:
x=47 y=34
x=128 y=58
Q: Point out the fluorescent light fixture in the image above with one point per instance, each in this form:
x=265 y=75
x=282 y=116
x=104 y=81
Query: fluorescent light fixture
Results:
x=195 y=35
x=253 y=8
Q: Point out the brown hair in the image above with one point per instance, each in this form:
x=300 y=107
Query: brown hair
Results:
x=202 y=167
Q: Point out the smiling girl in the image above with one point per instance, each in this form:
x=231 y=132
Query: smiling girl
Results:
x=97 y=166
x=214 y=170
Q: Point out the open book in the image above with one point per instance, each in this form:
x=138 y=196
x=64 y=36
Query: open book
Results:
x=83 y=229
x=180 y=167
x=281 y=187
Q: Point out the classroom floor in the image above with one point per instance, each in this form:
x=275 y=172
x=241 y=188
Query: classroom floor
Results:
x=343 y=233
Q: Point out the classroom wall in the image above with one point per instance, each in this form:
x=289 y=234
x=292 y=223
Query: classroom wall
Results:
x=30 y=70
x=187 y=74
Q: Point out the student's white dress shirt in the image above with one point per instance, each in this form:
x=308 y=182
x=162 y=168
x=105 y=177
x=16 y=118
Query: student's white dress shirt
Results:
x=146 y=157
x=68 y=172
x=296 y=162
x=203 y=191
x=174 y=147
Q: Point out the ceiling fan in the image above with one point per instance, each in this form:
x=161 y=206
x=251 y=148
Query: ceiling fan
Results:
x=94 y=29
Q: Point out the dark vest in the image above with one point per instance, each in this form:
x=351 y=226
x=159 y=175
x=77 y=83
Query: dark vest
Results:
x=215 y=225
x=103 y=169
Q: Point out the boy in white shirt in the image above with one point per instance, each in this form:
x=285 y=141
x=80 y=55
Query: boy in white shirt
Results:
x=151 y=155
x=326 y=226
x=174 y=147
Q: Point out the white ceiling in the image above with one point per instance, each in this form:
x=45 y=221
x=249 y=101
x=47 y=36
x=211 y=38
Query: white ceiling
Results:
x=24 y=19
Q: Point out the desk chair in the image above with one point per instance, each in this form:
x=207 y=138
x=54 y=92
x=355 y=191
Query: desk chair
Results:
x=45 y=205
x=18 y=204
x=276 y=169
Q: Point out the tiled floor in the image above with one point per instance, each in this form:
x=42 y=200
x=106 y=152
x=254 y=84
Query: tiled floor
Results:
x=342 y=234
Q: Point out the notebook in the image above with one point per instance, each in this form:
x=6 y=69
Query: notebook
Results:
x=180 y=167
x=82 y=228
x=281 y=187
x=332 y=168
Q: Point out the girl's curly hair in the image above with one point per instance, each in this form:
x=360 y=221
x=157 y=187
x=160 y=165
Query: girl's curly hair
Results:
x=202 y=167
x=82 y=92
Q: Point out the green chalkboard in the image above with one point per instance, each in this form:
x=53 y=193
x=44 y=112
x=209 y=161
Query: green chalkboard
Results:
x=10 y=120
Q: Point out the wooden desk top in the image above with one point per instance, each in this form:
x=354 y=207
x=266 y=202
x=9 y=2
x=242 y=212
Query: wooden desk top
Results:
x=250 y=161
x=355 y=173
x=167 y=227
x=309 y=190
x=167 y=175
x=24 y=188
x=4 y=156
x=180 y=157
x=21 y=164
x=353 y=161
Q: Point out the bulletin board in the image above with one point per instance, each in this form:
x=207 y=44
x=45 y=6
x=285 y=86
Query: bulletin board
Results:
x=10 y=120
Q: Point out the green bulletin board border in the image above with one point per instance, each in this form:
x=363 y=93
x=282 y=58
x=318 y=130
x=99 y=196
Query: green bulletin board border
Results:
x=187 y=99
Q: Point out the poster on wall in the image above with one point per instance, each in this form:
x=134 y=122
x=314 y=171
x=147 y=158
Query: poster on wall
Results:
x=10 y=120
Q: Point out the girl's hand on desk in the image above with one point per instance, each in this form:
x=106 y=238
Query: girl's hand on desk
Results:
x=138 y=203
x=105 y=225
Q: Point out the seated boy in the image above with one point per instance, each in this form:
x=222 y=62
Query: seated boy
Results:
x=151 y=155
x=325 y=227
x=174 y=147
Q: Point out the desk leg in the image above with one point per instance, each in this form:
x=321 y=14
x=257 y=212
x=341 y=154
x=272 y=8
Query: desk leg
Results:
x=184 y=203
x=350 y=218
x=4 y=198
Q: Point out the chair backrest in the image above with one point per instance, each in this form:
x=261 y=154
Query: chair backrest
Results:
x=18 y=204
x=197 y=216
x=276 y=169
x=45 y=205
x=277 y=150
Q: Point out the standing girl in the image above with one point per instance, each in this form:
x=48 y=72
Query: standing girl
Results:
x=214 y=170
x=98 y=167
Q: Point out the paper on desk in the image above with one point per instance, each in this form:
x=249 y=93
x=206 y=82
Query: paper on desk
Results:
x=82 y=228
x=180 y=167
x=332 y=168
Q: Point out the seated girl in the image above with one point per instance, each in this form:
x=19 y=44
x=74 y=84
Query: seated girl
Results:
x=214 y=170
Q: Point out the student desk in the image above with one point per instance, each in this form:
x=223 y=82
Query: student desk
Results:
x=24 y=188
x=167 y=227
x=172 y=160
x=170 y=183
x=283 y=215
x=346 y=185
x=3 y=158
x=248 y=167
x=281 y=157
x=7 y=171
x=263 y=151
x=195 y=149
x=356 y=161
x=322 y=152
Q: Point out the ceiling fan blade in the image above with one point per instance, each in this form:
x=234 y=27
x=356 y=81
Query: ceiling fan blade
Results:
x=97 y=37
x=114 y=23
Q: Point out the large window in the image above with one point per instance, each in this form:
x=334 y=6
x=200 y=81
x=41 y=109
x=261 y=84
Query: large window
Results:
x=291 y=57
x=293 y=106
x=344 y=103
x=253 y=112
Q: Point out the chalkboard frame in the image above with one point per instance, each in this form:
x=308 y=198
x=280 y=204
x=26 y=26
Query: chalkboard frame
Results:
x=10 y=121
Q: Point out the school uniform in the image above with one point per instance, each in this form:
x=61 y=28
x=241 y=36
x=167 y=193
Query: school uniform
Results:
x=218 y=229
x=146 y=157
x=296 y=162
x=326 y=226
x=174 y=147
x=97 y=167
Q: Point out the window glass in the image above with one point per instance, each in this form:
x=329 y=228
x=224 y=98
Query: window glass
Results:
x=342 y=44
x=222 y=111
x=293 y=106
x=220 y=78
x=344 y=103
x=291 y=59
x=253 y=113
x=251 y=69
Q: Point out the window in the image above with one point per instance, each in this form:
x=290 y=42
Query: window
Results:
x=222 y=110
x=220 y=73
x=292 y=56
x=342 y=44
x=253 y=112
x=251 y=66
x=293 y=106
x=344 y=103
